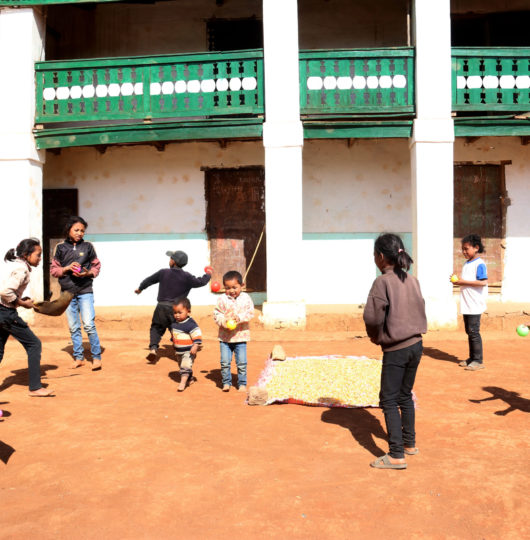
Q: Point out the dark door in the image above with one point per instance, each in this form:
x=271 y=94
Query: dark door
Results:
x=57 y=206
x=235 y=220
x=479 y=208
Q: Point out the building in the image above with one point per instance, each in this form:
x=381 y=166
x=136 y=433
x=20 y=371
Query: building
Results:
x=188 y=125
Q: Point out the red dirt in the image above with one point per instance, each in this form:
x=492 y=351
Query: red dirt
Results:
x=120 y=454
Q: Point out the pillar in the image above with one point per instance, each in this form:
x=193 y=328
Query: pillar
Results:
x=21 y=44
x=283 y=140
x=431 y=151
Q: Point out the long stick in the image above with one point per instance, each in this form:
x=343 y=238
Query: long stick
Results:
x=254 y=256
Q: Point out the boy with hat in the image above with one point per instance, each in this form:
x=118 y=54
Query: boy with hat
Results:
x=174 y=283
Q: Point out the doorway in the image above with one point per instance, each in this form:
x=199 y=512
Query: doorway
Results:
x=479 y=208
x=57 y=206
x=235 y=222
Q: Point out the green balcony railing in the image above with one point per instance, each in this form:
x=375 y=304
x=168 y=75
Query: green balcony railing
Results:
x=49 y=2
x=357 y=82
x=491 y=79
x=191 y=86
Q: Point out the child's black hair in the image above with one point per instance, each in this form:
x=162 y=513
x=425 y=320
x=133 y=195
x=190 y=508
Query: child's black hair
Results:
x=24 y=249
x=392 y=248
x=71 y=221
x=233 y=274
x=474 y=240
x=184 y=302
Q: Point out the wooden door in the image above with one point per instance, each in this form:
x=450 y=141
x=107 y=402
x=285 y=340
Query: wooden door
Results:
x=479 y=208
x=57 y=206
x=235 y=219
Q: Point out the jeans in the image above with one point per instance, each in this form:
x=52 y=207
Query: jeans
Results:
x=162 y=320
x=83 y=304
x=472 y=326
x=12 y=325
x=397 y=380
x=240 y=351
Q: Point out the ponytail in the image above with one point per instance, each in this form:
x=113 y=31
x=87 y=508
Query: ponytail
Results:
x=24 y=249
x=10 y=255
x=391 y=247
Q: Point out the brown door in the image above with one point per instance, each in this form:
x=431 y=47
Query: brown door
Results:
x=479 y=208
x=235 y=220
x=57 y=206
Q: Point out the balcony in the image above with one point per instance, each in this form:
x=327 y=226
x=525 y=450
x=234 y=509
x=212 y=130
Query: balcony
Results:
x=346 y=93
x=491 y=91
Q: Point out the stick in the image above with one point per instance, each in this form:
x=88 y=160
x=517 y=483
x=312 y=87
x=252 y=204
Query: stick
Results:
x=254 y=256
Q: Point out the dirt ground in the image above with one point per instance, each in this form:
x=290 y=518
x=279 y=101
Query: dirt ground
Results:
x=120 y=454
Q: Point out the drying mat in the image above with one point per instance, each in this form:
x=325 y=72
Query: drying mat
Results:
x=326 y=381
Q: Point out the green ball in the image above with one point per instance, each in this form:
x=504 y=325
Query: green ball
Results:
x=523 y=330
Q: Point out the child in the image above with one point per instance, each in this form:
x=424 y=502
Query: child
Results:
x=187 y=339
x=233 y=311
x=473 y=295
x=76 y=265
x=15 y=278
x=394 y=316
x=174 y=283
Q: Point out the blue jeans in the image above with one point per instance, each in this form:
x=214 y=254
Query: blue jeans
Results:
x=240 y=351
x=83 y=304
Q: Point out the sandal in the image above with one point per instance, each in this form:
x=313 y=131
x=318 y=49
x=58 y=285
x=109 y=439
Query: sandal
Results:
x=41 y=392
x=411 y=452
x=384 y=463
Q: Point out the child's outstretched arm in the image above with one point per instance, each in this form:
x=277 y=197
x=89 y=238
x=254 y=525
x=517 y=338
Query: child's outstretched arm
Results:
x=195 y=282
x=148 y=281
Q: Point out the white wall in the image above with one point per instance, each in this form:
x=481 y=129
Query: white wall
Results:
x=362 y=188
x=515 y=287
x=140 y=203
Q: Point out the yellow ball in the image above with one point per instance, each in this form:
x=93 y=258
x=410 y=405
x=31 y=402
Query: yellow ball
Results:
x=454 y=278
x=231 y=324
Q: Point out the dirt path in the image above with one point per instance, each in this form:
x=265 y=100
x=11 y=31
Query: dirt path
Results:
x=119 y=454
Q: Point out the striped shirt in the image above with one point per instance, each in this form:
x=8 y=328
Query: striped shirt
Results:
x=185 y=334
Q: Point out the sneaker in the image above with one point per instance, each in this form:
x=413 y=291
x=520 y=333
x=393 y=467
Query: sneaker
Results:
x=152 y=356
x=242 y=388
x=465 y=363
x=96 y=364
x=226 y=388
x=475 y=366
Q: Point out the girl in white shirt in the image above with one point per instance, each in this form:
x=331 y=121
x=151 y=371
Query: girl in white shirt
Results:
x=473 y=295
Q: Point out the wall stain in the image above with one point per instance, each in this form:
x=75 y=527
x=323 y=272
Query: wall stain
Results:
x=87 y=204
x=190 y=201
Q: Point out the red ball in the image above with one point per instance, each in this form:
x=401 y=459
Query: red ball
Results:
x=208 y=270
x=215 y=286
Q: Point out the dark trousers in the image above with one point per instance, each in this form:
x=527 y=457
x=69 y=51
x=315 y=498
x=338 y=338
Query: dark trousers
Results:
x=12 y=325
x=162 y=320
x=397 y=379
x=472 y=326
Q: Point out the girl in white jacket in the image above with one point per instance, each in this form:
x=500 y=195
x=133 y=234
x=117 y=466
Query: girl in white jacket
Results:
x=13 y=281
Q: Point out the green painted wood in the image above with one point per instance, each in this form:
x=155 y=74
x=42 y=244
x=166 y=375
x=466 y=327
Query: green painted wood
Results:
x=357 y=129
x=492 y=127
x=156 y=132
x=363 y=81
x=491 y=79
x=171 y=86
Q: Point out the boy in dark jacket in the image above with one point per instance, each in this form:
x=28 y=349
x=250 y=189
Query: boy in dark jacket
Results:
x=174 y=283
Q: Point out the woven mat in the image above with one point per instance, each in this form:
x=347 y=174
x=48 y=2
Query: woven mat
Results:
x=327 y=381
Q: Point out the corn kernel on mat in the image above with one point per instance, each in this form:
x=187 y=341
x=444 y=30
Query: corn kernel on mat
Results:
x=327 y=381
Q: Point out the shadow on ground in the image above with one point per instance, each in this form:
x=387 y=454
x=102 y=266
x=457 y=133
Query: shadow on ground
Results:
x=437 y=354
x=513 y=399
x=363 y=426
x=20 y=376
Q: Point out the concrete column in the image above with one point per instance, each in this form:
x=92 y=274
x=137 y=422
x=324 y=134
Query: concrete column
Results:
x=283 y=140
x=21 y=44
x=431 y=151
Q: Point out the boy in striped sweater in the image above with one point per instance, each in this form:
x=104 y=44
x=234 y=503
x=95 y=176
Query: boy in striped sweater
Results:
x=187 y=340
